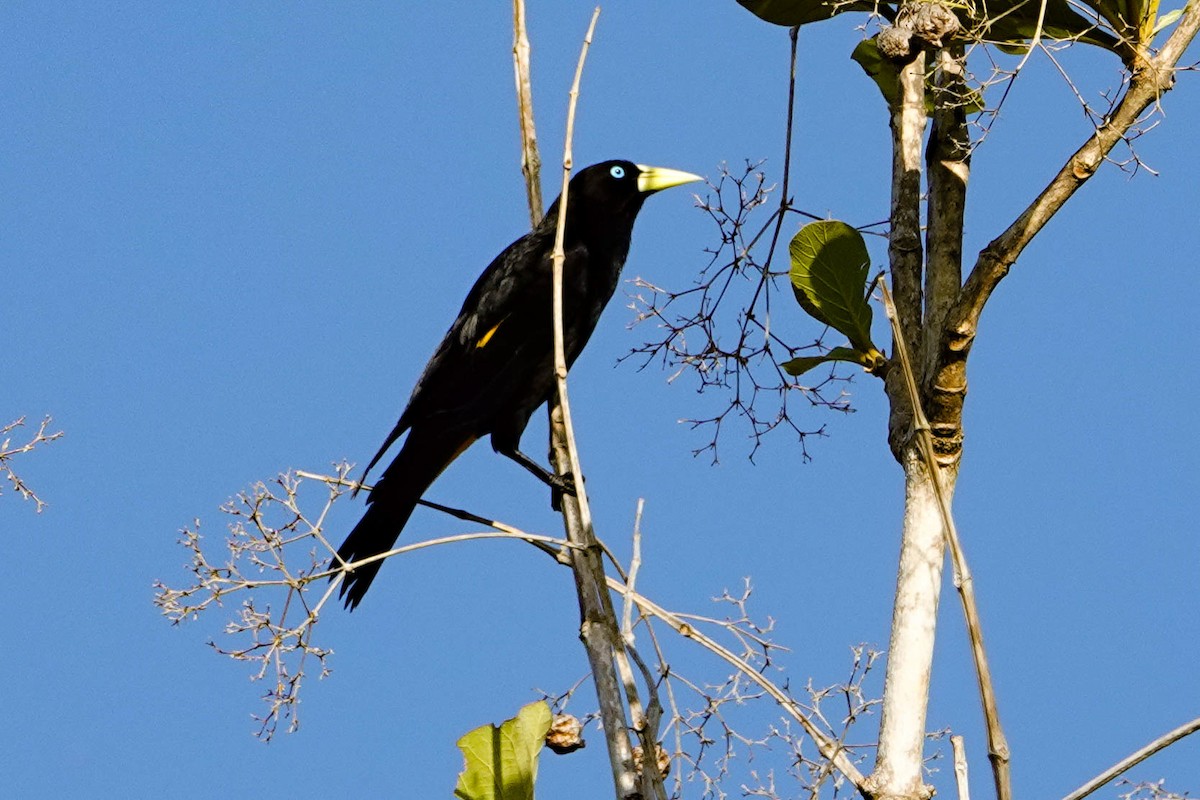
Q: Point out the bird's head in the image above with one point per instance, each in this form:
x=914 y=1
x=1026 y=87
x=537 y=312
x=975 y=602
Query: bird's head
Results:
x=616 y=182
x=615 y=190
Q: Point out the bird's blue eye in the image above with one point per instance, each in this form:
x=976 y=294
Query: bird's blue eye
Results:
x=617 y=172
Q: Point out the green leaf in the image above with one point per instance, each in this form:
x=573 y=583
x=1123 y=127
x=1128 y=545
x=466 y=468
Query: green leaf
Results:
x=1009 y=22
x=869 y=361
x=798 y=366
x=829 y=277
x=1016 y=21
x=801 y=12
x=500 y=763
x=1165 y=20
x=885 y=73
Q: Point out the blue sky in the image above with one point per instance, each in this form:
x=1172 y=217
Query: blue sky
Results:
x=233 y=234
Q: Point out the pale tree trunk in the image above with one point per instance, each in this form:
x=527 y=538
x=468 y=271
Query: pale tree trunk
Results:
x=900 y=758
x=898 y=766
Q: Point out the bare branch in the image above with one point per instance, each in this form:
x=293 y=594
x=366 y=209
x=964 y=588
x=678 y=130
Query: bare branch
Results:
x=829 y=748
x=1148 y=790
x=736 y=290
x=948 y=158
x=598 y=631
x=960 y=768
x=270 y=534
x=277 y=548
x=1135 y=758
x=904 y=237
x=9 y=451
x=531 y=161
x=904 y=241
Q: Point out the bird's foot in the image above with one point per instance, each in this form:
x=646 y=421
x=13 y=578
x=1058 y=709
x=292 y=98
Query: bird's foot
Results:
x=560 y=485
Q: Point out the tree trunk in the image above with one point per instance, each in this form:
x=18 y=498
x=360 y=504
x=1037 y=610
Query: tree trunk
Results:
x=898 y=766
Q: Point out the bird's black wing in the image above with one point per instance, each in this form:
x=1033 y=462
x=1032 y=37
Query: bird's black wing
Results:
x=501 y=332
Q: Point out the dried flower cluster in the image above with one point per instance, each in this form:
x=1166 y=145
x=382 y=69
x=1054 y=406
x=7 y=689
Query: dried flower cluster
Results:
x=276 y=549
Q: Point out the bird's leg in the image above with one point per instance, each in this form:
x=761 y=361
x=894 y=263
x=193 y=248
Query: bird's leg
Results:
x=560 y=484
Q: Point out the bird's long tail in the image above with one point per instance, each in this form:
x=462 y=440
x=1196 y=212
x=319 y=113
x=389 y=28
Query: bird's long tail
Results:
x=390 y=504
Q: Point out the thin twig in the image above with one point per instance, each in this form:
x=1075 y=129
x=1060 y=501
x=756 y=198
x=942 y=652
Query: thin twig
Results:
x=8 y=452
x=560 y=232
x=1135 y=758
x=531 y=162
x=457 y=513
x=635 y=564
x=598 y=630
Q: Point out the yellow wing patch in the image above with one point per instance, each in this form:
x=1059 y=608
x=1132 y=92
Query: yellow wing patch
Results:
x=487 y=337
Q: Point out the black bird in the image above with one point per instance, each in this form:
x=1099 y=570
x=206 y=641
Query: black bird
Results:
x=495 y=365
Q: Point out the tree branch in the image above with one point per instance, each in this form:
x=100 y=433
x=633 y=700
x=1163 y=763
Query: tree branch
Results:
x=949 y=166
x=598 y=628
x=8 y=451
x=904 y=242
x=904 y=239
x=1146 y=87
x=1135 y=758
x=829 y=748
x=531 y=162
x=960 y=768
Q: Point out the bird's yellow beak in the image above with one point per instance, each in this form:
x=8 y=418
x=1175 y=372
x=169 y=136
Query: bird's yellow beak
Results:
x=655 y=179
